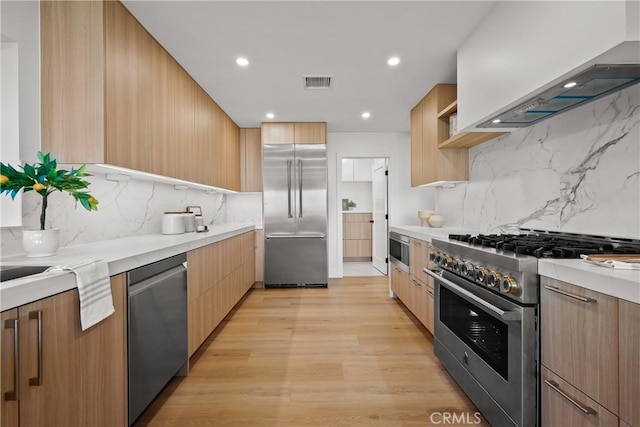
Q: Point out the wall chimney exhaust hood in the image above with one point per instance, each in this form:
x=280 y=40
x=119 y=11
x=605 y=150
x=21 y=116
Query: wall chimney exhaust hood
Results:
x=594 y=82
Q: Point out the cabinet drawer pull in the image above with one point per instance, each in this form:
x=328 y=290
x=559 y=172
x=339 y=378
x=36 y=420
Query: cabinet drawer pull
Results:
x=15 y=393
x=570 y=295
x=37 y=315
x=556 y=387
x=415 y=282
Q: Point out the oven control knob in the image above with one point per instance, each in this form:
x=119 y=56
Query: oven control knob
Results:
x=448 y=261
x=509 y=285
x=482 y=274
x=468 y=269
x=494 y=279
x=437 y=258
x=432 y=256
x=457 y=264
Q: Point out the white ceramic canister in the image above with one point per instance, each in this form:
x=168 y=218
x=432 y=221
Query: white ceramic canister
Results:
x=173 y=223
x=189 y=222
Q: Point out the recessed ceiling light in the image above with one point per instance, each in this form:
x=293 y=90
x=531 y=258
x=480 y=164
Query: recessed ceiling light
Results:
x=496 y=121
x=570 y=85
x=366 y=115
x=243 y=62
x=270 y=115
x=393 y=61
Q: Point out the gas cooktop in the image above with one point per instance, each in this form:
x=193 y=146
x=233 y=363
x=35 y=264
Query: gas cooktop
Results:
x=551 y=245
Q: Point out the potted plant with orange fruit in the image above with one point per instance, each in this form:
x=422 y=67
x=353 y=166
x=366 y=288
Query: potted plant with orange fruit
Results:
x=44 y=178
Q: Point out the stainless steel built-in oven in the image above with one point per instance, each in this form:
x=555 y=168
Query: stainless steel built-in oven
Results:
x=489 y=345
x=399 y=250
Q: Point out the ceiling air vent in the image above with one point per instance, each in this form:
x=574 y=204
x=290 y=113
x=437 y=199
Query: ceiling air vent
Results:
x=317 y=82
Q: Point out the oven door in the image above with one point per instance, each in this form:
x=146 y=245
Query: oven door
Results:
x=399 y=251
x=490 y=346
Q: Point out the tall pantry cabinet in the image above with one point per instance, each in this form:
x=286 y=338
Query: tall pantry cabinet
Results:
x=112 y=94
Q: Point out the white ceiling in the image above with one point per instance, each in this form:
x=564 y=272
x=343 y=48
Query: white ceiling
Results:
x=286 y=40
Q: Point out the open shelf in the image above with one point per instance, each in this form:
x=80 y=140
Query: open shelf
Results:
x=462 y=139
x=468 y=139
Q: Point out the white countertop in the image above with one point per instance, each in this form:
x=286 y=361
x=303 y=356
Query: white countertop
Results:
x=356 y=212
x=427 y=233
x=122 y=255
x=623 y=284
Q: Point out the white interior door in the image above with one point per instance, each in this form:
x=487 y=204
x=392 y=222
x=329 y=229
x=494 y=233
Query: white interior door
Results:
x=379 y=193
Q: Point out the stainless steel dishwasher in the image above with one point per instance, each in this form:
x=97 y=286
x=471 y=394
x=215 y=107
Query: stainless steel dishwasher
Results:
x=157 y=326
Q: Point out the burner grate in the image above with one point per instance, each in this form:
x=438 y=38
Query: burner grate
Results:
x=550 y=245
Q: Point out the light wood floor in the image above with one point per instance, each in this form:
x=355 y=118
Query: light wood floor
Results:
x=344 y=356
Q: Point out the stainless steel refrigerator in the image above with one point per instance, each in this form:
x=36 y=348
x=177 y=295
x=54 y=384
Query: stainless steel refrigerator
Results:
x=295 y=215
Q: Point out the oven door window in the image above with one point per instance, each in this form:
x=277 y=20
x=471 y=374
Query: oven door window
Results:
x=395 y=249
x=486 y=335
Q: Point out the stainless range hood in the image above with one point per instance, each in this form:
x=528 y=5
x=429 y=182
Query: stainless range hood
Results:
x=594 y=82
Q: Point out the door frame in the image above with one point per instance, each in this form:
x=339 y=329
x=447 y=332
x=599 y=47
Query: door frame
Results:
x=344 y=155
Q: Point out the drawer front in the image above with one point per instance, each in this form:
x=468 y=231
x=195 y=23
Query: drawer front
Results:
x=356 y=217
x=579 y=334
x=419 y=259
x=564 y=406
x=357 y=230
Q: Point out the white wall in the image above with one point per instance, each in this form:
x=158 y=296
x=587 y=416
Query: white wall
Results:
x=20 y=23
x=404 y=201
x=360 y=193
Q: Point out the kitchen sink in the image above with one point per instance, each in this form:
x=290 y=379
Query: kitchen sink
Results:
x=10 y=272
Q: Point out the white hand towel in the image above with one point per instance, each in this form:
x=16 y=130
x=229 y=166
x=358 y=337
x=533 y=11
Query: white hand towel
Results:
x=94 y=287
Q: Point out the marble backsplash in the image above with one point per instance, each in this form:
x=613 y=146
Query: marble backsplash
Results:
x=578 y=172
x=126 y=208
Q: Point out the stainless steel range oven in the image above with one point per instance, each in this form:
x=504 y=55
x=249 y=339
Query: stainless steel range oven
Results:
x=486 y=307
x=487 y=338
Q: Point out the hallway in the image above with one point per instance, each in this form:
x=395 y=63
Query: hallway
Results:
x=342 y=356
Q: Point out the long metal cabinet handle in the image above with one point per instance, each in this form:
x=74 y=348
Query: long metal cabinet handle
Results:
x=556 y=387
x=570 y=295
x=15 y=393
x=300 y=187
x=506 y=315
x=289 y=162
x=37 y=315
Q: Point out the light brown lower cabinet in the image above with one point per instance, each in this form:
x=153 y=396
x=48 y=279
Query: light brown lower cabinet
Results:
x=629 y=363
x=418 y=296
x=217 y=278
x=64 y=376
x=565 y=406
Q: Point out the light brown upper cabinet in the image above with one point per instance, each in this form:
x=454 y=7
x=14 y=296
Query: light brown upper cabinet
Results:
x=250 y=160
x=294 y=133
x=435 y=156
x=129 y=102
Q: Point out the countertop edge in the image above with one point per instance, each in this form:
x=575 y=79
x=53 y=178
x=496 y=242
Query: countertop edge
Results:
x=17 y=292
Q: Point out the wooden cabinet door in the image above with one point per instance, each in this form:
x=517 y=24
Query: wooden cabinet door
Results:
x=579 y=331
x=250 y=160
x=565 y=406
x=72 y=46
x=9 y=408
x=231 y=156
x=430 y=310
x=277 y=133
x=72 y=377
x=417 y=161
x=310 y=133
x=629 y=362
x=395 y=280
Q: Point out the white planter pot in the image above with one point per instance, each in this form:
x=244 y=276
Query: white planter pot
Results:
x=39 y=243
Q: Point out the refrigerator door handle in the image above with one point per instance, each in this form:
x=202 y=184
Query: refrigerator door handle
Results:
x=296 y=236
x=289 y=163
x=300 y=187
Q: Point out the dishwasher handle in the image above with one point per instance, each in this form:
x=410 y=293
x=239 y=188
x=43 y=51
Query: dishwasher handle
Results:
x=154 y=280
